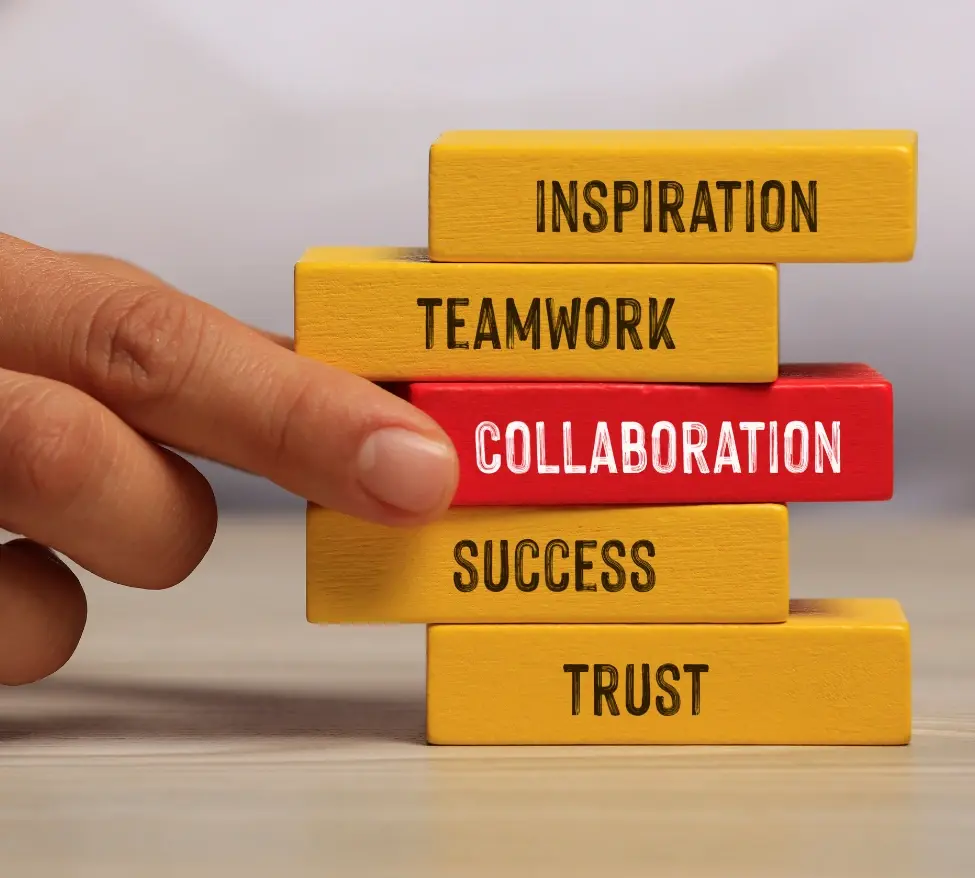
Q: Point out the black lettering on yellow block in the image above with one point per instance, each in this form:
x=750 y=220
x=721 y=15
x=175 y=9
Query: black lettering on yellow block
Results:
x=606 y=679
x=577 y=671
x=601 y=219
x=497 y=559
x=668 y=199
x=498 y=564
x=562 y=321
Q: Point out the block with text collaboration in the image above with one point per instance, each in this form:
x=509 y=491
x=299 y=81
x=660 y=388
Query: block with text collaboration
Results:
x=818 y=433
x=594 y=324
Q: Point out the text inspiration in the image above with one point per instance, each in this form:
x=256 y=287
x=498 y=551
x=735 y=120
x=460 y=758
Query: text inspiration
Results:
x=672 y=206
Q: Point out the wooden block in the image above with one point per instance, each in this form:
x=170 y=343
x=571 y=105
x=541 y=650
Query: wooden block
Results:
x=821 y=432
x=837 y=672
x=623 y=564
x=392 y=315
x=673 y=196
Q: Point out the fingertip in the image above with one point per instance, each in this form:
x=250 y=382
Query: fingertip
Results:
x=360 y=448
x=412 y=474
x=43 y=611
x=189 y=531
x=407 y=462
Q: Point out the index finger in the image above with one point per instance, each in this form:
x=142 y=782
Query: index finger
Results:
x=192 y=377
x=120 y=268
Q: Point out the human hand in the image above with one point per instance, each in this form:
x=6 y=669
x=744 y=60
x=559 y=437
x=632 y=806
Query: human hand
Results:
x=103 y=369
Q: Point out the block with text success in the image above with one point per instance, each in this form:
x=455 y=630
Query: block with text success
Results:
x=820 y=432
x=673 y=196
x=390 y=314
x=837 y=672
x=623 y=564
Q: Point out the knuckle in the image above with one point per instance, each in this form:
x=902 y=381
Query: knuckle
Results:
x=143 y=344
x=47 y=439
x=297 y=405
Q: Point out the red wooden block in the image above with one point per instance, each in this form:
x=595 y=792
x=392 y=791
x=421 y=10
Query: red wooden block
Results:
x=821 y=432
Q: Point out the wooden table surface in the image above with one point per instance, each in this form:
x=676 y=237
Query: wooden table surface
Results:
x=211 y=731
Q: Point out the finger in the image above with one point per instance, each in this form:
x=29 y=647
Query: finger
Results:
x=42 y=613
x=192 y=377
x=126 y=270
x=75 y=477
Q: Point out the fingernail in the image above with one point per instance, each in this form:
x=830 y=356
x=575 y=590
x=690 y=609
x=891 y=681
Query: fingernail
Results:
x=406 y=470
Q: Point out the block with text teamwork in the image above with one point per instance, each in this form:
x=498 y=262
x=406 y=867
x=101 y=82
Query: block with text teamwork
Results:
x=837 y=672
x=673 y=196
x=820 y=432
x=389 y=314
x=624 y=564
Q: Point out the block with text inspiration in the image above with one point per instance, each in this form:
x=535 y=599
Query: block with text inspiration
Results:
x=389 y=314
x=836 y=672
x=672 y=196
x=623 y=564
x=820 y=432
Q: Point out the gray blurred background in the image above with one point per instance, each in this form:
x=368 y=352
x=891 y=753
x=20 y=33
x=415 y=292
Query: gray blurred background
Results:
x=212 y=141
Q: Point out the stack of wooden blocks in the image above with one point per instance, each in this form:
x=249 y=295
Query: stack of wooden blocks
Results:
x=595 y=326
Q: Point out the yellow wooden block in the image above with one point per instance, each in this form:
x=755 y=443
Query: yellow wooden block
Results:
x=389 y=314
x=837 y=672
x=722 y=563
x=673 y=196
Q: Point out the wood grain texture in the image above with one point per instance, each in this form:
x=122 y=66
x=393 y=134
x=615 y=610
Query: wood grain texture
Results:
x=210 y=730
x=623 y=564
x=821 y=432
x=389 y=314
x=837 y=672
x=794 y=196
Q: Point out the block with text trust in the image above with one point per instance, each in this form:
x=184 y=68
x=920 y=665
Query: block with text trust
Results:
x=836 y=672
